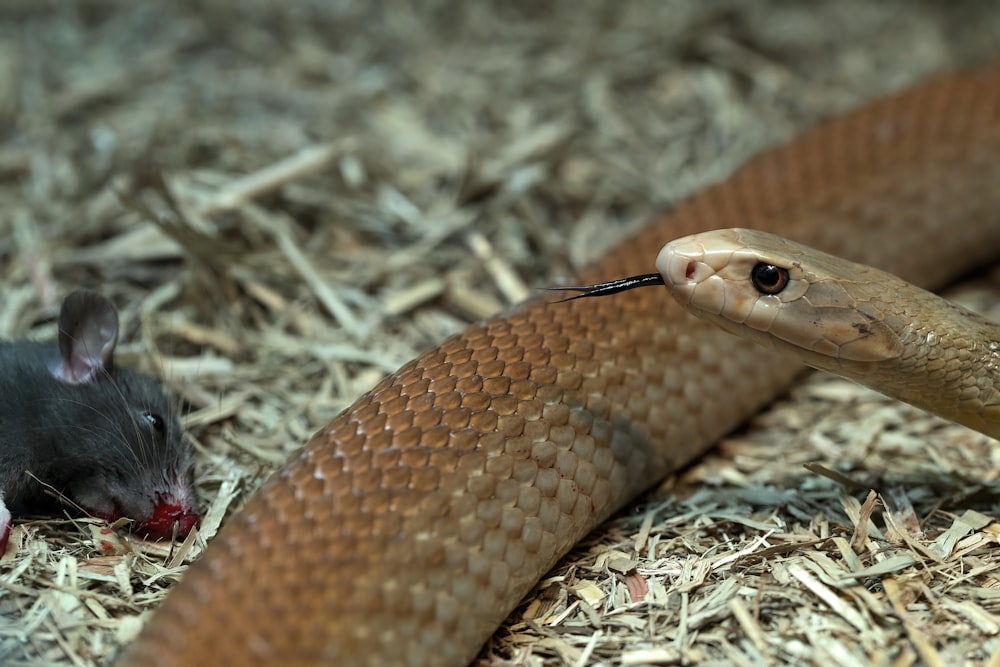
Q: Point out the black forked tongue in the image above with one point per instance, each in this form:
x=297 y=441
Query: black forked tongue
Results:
x=610 y=287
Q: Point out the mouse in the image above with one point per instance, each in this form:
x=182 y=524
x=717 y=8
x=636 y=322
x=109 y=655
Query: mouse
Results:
x=103 y=437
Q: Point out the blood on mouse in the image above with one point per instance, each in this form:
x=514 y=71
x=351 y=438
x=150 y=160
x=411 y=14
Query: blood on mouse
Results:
x=102 y=436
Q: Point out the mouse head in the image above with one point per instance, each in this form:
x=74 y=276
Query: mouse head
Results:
x=128 y=456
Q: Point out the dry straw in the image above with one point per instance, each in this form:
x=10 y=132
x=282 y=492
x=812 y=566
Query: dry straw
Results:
x=289 y=202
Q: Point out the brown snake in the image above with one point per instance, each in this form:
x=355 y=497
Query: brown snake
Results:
x=846 y=318
x=409 y=527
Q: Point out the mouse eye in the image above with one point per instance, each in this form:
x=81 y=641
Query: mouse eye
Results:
x=154 y=420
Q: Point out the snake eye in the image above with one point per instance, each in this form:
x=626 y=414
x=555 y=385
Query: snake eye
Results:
x=768 y=278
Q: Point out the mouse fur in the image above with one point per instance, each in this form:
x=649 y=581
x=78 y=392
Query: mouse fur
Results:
x=103 y=436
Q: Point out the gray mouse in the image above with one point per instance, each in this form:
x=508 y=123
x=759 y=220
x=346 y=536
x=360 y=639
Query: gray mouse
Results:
x=104 y=437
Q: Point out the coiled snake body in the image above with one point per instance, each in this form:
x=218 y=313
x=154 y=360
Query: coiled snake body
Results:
x=410 y=526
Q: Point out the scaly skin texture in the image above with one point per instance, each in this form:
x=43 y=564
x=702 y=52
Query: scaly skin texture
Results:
x=846 y=318
x=410 y=526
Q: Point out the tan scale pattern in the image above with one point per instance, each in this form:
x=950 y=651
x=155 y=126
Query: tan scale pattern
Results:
x=847 y=318
x=409 y=527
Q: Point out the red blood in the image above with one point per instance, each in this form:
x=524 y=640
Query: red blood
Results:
x=168 y=511
x=4 y=526
x=4 y=535
x=160 y=525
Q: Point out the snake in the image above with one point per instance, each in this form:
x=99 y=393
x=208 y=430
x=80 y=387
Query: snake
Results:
x=834 y=315
x=845 y=318
x=407 y=529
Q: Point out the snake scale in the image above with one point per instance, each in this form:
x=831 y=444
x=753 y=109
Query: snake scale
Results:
x=409 y=527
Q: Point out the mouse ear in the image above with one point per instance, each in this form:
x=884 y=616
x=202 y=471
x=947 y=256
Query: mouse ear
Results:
x=88 y=333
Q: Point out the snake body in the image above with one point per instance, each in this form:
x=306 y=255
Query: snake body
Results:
x=410 y=526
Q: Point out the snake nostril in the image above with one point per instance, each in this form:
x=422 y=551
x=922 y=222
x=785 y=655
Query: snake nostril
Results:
x=692 y=267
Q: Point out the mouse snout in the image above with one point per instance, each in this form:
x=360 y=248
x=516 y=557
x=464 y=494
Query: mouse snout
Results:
x=167 y=513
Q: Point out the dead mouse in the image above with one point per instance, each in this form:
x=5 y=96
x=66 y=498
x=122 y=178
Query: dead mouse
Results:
x=103 y=436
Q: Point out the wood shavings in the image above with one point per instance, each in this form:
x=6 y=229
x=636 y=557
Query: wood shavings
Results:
x=503 y=275
x=410 y=297
x=305 y=161
x=143 y=243
x=749 y=624
x=285 y=221
x=279 y=229
x=828 y=596
x=659 y=656
x=962 y=526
